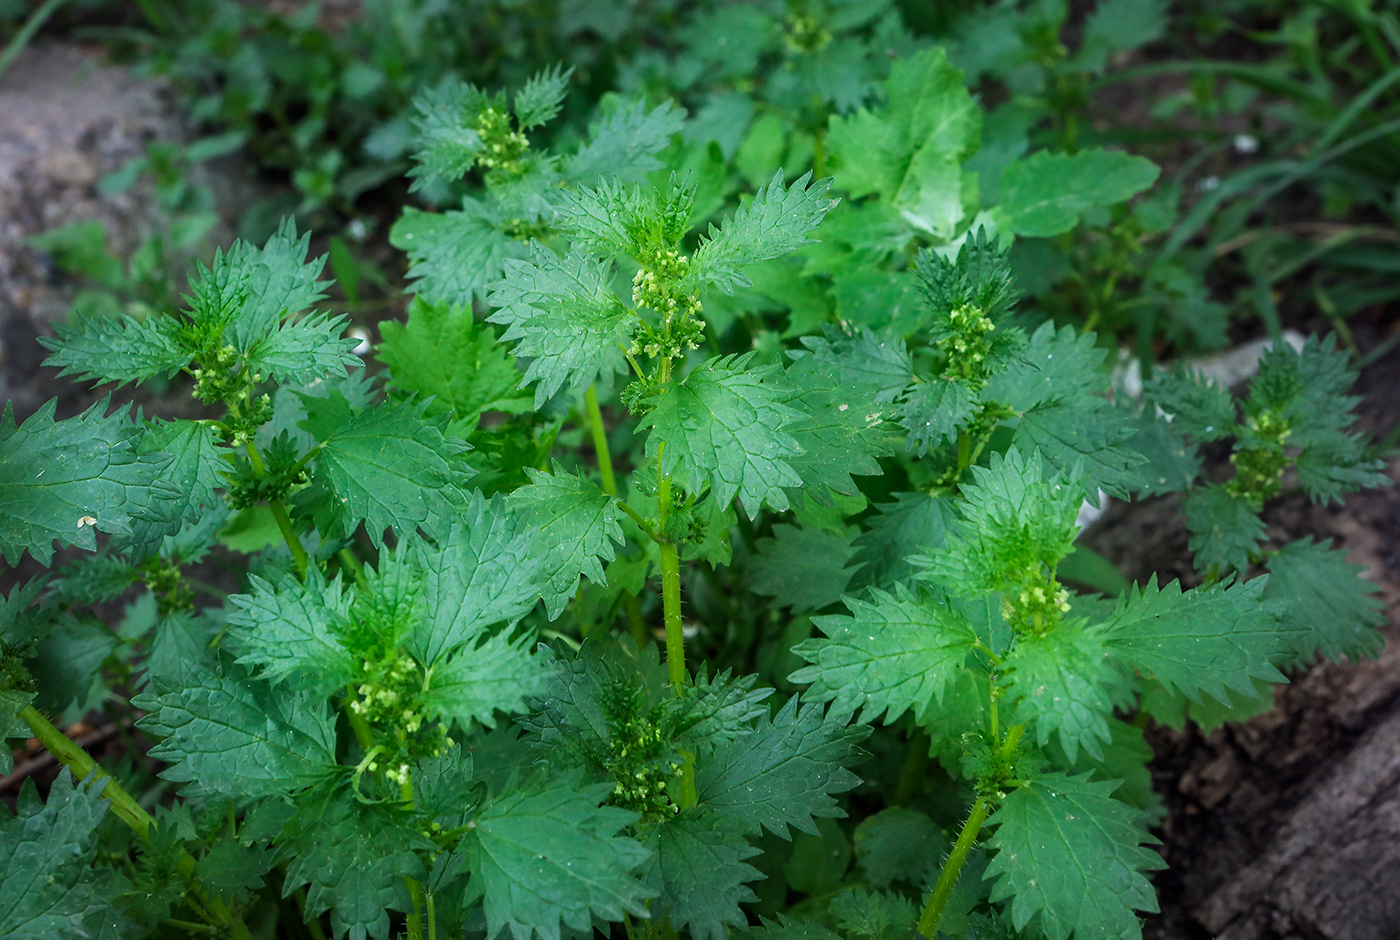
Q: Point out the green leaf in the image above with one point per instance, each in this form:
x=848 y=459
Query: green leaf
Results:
x=292 y=631
x=727 y=424
x=452 y=255
x=499 y=674
x=195 y=472
x=538 y=101
x=935 y=411
x=1062 y=680
x=624 y=142
x=55 y=476
x=549 y=853
x=354 y=859
x=895 y=653
x=483 y=574
x=12 y=702
x=911 y=154
x=1210 y=639
x=236 y=736
x=447 y=141
x=231 y=870
x=1014 y=517
x=49 y=888
x=616 y=221
x=1198 y=407
x=117 y=349
x=863 y=358
x=564 y=315
x=1069 y=852
x=860 y=913
x=801 y=568
x=776 y=222
x=1117 y=26
x=900 y=844
x=305 y=349
x=914 y=524
x=785 y=773
x=444 y=353
x=842 y=431
x=1046 y=193
x=785 y=928
x=1324 y=597
x=1225 y=529
x=699 y=870
x=67 y=666
x=575 y=524
x=386 y=466
x=249 y=291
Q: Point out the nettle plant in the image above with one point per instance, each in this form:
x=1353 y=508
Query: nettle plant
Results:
x=370 y=734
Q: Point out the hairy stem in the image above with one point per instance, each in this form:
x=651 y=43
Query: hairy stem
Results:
x=933 y=911
x=72 y=756
x=600 y=441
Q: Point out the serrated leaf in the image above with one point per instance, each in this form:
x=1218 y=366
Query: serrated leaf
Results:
x=842 y=431
x=899 y=844
x=624 y=143
x=195 y=472
x=249 y=291
x=547 y=855
x=453 y=255
x=1057 y=365
x=1014 y=517
x=879 y=915
x=235 y=736
x=1198 y=407
x=12 y=702
x=575 y=524
x=230 y=870
x=483 y=573
x=1062 y=680
x=67 y=666
x=1225 y=529
x=1324 y=597
x=498 y=674
x=354 y=859
x=895 y=653
x=1070 y=853
x=786 y=773
x=292 y=631
x=386 y=466
x=699 y=870
x=935 y=411
x=538 y=101
x=116 y=349
x=66 y=480
x=1088 y=439
x=610 y=219
x=914 y=524
x=563 y=314
x=801 y=568
x=863 y=358
x=305 y=349
x=785 y=928
x=1210 y=639
x=911 y=153
x=443 y=352
x=775 y=223
x=447 y=142
x=727 y=424
x=1046 y=193
x=49 y=889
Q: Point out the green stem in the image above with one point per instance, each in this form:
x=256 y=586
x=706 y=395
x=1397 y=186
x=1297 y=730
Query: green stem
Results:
x=600 y=441
x=72 y=756
x=641 y=522
x=279 y=513
x=933 y=911
x=635 y=622
x=671 y=614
